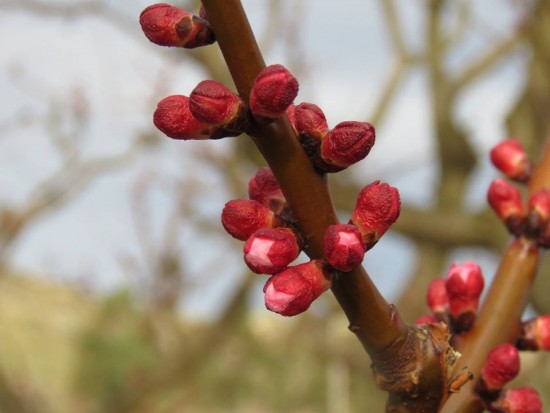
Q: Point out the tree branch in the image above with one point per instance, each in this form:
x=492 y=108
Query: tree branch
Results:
x=392 y=344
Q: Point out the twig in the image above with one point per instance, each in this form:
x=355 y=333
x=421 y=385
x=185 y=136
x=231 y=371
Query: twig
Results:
x=507 y=297
x=389 y=341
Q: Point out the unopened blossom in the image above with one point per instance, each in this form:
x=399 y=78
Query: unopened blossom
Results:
x=346 y=144
x=343 y=247
x=517 y=400
x=292 y=291
x=510 y=158
x=437 y=297
x=213 y=103
x=273 y=92
x=505 y=199
x=535 y=334
x=264 y=188
x=166 y=25
x=464 y=285
x=242 y=217
x=501 y=366
x=377 y=208
x=173 y=118
x=270 y=250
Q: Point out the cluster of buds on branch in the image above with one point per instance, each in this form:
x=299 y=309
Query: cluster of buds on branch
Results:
x=272 y=236
x=454 y=300
x=273 y=240
x=531 y=220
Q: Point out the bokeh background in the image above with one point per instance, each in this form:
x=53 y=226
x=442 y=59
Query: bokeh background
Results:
x=120 y=292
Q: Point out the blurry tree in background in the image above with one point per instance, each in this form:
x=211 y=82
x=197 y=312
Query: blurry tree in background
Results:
x=63 y=349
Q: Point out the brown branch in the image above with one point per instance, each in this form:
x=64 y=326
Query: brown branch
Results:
x=392 y=345
x=500 y=316
x=305 y=190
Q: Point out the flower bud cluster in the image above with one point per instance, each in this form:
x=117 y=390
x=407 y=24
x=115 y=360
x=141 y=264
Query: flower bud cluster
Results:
x=531 y=220
x=377 y=208
x=330 y=150
x=212 y=111
x=264 y=222
x=455 y=299
x=272 y=244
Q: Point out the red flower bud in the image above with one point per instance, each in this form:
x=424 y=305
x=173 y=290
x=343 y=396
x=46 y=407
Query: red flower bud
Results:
x=518 y=400
x=310 y=121
x=213 y=103
x=273 y=92
x=505 y=199
x=264 y=188
x=377 y=207
x=464 y=286
x=510 y=158
x=346 y=144
x=539 y=211
x=343 y=247
x=175 y=120
x=270 y=250
x=292 y=291
x=426 y=319
x=242 y=217
x=437 y=297
x=535 y=334
x=501 y=366
x=167 y=25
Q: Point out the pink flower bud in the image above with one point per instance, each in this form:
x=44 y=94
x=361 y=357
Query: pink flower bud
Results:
x=242 y=217
x=518 y=400
x=346 y=144
x=539 y=210
x=270 y=250
x=343 y=247
x=501 y=366
x=505 y=199
x=510 y=158
x=167 y=25
x=535 y=334
x=292 y=291
x=464 y=286
x=213 y=103
x=273 y=92
x=173 y=118
x=310 y=121
x=437 y=297
x=426 y=319
x=264 y=188
x=377 y=207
